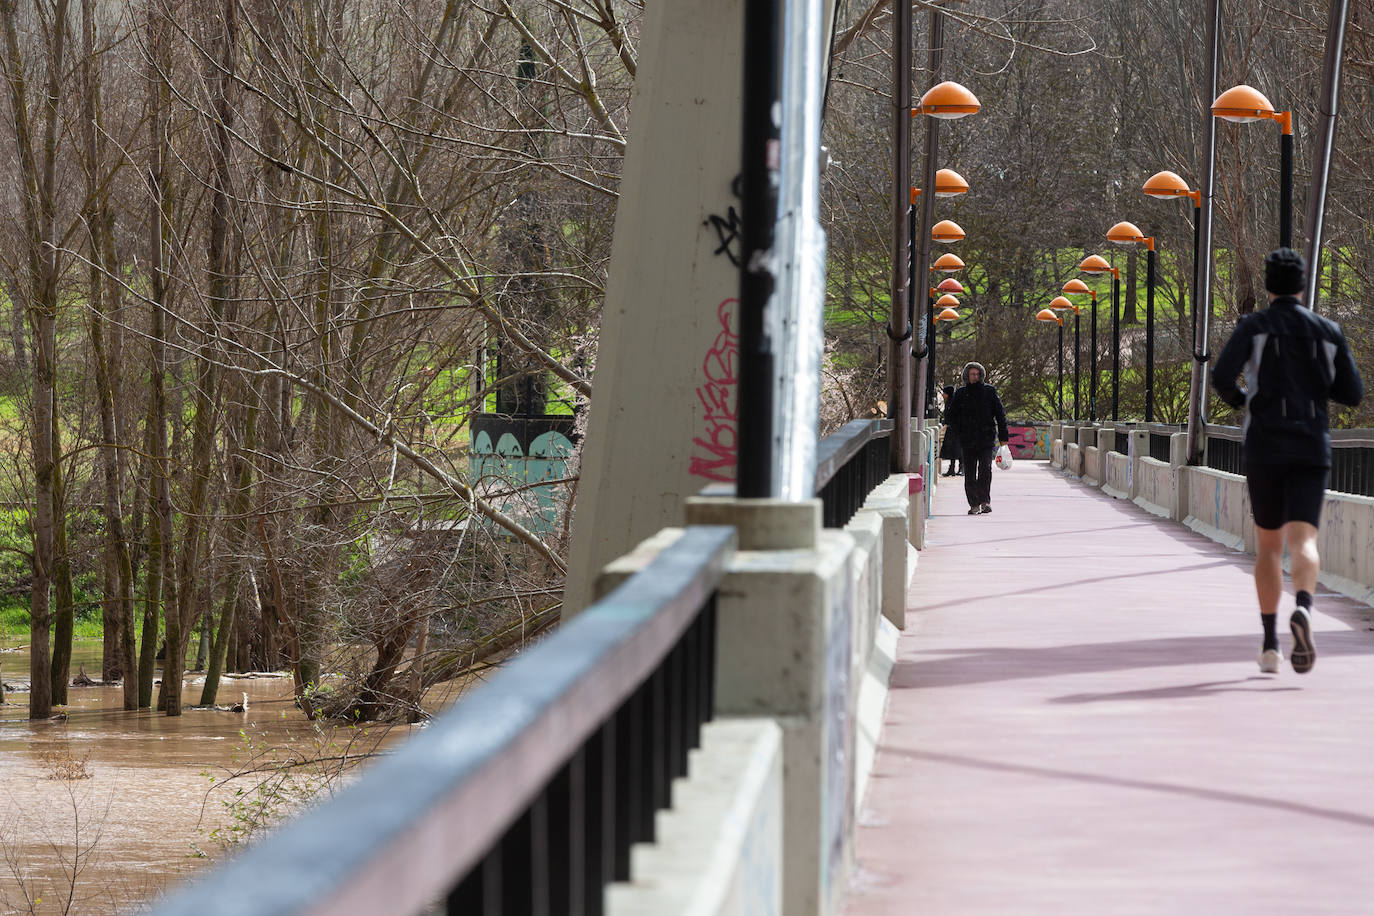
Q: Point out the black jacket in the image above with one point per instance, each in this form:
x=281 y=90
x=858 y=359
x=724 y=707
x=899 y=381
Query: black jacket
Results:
x=976 y=417
x=1294 y=361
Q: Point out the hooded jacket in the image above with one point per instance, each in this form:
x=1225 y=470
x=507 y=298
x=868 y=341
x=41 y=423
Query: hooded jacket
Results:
x=1293 y=361
x=975 y=413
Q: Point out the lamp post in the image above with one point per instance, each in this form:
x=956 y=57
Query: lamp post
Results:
x=1169 y=186
x=948 y=183
x=1077 y=287
x=1127 y=235
x=1244 y=104
x=1094 y=265
x=946 y=232
x=1049 y=315
x=1059 y=303
x=942 y=102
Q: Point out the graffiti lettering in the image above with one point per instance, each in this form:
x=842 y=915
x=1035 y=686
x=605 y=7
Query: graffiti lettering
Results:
x=727 y=231
x=1027 y=442
x=720 y=415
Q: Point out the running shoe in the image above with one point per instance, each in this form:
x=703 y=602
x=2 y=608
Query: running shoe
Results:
x=986 y=508
x=1270 y=660
x=1304 y=653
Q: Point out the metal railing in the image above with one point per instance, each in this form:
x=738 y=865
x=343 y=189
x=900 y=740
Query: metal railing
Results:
x=850 y=462
x=526 y=797
x=1159 y=441
x=1352 y=457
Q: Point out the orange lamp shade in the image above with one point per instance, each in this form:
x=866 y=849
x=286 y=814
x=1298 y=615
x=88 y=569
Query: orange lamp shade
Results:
x=947 y=315
x=1242 y=104
x=950 y=285
x=1094 y=265
x=1059 y=302
x=948 y=263
x=1125 y=234
x=947 y=302
x=947 y=231
x=1047 y=315
x=948 y=101
x=1076 y=287
x=949 y=183
x=1167 y=184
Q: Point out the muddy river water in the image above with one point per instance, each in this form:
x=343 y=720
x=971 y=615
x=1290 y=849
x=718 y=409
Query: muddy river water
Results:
x=151 y=791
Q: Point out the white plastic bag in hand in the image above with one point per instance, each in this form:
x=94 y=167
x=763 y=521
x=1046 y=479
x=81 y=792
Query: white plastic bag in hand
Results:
x=1004 y=457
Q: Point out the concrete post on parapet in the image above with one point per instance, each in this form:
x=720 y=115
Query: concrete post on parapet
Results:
x=1178 y=467
x=784 y=623
x=1106 y=441
x=921 y=485
x=1140 y=447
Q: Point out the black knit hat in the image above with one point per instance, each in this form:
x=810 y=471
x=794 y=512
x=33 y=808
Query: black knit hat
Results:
x=948 y=390
x=1285 y=272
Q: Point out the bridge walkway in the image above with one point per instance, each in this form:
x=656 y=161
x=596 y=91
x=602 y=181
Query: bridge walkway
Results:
x=1077 y=725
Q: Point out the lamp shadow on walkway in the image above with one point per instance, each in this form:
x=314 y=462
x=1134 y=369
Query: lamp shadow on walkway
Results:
x=983 y=665
x=1146 y=785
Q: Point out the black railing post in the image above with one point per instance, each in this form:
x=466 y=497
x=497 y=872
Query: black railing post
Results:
x=758 y=212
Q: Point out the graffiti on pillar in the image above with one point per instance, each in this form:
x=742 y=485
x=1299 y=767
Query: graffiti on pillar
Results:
x=727 y=232
x=717 y=442
x=1028 y=443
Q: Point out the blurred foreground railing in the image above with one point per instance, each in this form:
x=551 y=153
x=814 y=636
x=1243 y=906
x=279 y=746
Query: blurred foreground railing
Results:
x=850 y=462
x=526 y=797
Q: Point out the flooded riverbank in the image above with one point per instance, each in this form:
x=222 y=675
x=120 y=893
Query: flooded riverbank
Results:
x=151 y=793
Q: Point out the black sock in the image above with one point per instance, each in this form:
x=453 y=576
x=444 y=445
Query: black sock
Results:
x=1305 y=600
x=1271 y=636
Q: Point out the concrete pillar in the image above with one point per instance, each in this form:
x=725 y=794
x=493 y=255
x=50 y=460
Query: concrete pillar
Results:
x=921 y=488
x=662 y=421
x=784 y=624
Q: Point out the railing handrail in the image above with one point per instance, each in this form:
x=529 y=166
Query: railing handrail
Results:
x=418 y=820
x=835 y=450
x=1359 y=437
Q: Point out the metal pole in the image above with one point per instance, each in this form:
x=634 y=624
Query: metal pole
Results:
x=1286 y=186
x=1116 y=342
x=1061 y=369
x=1197 y=224
x=1197 y=386
x=1326 y=138
x=800 y=254
x=759 y=208
x=900 y=328
x=1150 y=334
x=1075 y=364
x=1092 y=366
x=937 y=47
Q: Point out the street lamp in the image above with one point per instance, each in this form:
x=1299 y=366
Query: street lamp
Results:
x=947 y=232
x=948 y=263
x=948 y=314
x=1060 y=303
x=1048 y=315
x=1127 y=235
x=1077 y=287
x=945 y=101
x=1168 y=185
x=1095 y=266
x=950 y=285
x=1245 y=104
x=948 y=183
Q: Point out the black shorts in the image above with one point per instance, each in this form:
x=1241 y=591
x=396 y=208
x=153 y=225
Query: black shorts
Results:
x=1286 y=493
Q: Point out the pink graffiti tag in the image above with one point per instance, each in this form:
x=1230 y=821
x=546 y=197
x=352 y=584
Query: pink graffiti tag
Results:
x=717 y=395
x=1026 y=442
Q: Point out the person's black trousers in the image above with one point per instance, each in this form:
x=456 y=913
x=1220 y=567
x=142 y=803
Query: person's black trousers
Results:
x=978 y=475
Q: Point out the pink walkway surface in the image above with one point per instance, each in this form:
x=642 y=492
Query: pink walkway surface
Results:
x=1077 y=725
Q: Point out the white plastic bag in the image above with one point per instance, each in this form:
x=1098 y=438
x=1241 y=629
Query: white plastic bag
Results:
x=1004 y=458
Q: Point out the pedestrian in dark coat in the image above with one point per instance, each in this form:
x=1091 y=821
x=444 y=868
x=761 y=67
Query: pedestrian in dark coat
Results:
x=979 y=422
x=949 y=444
